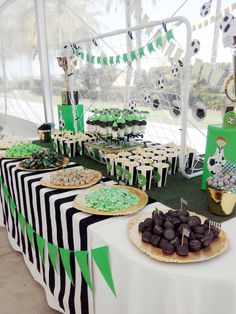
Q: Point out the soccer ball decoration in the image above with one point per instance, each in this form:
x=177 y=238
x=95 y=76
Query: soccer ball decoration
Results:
x=225 y=22
x=174 y=70
x=199 y=111
x=195 y=46
x=147 y=99
x=156 y=104
x=228 y=27
x=175 y=109
x=205 y=9
x=161 y=82
x=61 y=124
x=132 y=104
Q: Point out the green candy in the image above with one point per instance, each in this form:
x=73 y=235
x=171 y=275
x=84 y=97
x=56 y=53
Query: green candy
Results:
x=22 y=150
x=111 y=199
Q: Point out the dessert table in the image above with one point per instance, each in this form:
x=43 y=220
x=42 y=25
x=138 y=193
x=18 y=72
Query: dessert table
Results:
x=142 y=285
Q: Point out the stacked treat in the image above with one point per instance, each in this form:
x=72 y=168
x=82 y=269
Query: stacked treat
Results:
x=223 y=181
x=115 y=123
x=68 y=144
x=177 y=232
x=143 y=166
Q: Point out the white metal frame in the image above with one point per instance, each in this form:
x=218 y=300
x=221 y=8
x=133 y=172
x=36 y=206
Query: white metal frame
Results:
x=186 y=77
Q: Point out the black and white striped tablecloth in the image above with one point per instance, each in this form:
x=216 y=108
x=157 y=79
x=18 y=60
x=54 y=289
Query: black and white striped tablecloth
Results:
x=52 y=216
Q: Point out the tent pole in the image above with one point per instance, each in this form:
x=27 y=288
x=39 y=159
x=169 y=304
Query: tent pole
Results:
x=44 y=60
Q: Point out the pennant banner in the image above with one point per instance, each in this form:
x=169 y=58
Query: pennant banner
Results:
x=30 y=232
x=65 y=257
x=101 y=258
x=52 y=252
x=214 y=18
x=22 y=222
x=82 y=260
x=100 y=255
x=126 y=57
x=40 y=242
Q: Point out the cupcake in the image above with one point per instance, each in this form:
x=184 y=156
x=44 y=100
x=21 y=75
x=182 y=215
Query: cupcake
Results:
x=114 y=132
x=110 y=122
x=135 y=128
x=121 y=127
x=103 y=131
x=129 y=124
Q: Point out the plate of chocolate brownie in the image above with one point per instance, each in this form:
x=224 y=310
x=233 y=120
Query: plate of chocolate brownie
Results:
x=177 y=236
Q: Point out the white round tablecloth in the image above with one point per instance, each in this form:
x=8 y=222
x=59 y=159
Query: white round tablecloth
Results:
x=145 y=286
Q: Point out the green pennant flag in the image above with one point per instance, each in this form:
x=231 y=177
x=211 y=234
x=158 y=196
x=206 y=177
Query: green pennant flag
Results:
x=30 y=232
x=92 y=59
x=111 y=59
x=150 y=47
x=12 y=206
x=169 y=35
x=82 y=55
x=101 y=258
x=52 y=252
x=40 y=243
x=5 y=192
x=141 y=52
x=133 y=55
x=104 y=60
x=125 y=57
x=98 y=60
x=65 y=257
x=118 y=59
x=0 y=179
x=88 y=57
x=22 y=222
x=82 y=260
x=159 y=42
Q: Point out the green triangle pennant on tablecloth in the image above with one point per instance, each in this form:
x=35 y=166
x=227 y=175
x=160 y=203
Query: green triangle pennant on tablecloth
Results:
x=52 y=252
x=101 y=258
x=22 y=222
x=169 y=35
x=65 y=257
x=150 y=47
x=133 y=55
x=104 y=60
x=0 y=179
x=125 y=57
x=92 y=59
x=118 y=59
x=40 y=242
x=98 y=60
x=159 y=42
x=30 y=232
x=82 y=260
x=12 y=206
x=5 y=192
x=141 y=52
x=88 y=57
x=111 y=60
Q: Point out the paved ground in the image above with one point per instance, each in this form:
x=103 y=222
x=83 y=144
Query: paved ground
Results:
x=19 y=293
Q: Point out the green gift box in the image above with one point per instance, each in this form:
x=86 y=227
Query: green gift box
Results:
x=65 y=112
